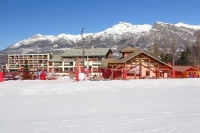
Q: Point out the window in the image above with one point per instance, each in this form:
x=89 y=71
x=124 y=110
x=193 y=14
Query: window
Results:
x=147 y=73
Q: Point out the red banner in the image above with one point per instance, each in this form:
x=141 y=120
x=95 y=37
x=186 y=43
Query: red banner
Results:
x=1 y=76
x=43 y=75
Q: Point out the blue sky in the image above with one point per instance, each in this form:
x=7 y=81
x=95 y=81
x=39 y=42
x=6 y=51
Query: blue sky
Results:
x=21 y=19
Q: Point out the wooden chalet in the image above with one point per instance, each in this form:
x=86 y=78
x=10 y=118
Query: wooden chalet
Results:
x=136 y=64
x=186 y=72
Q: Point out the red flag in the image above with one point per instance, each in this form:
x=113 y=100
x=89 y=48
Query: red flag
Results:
x=43 y=75
x=78 y=70
x=1 y=76
x=173 y=74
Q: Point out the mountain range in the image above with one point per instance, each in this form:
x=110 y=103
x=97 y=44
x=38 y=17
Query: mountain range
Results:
x=116 y=37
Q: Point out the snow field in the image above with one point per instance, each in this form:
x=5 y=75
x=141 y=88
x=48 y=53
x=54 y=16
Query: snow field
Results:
x=135 y=106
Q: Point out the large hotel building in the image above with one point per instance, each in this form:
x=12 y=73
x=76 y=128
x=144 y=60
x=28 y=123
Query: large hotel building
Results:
x=59 y=63
x=17 y=62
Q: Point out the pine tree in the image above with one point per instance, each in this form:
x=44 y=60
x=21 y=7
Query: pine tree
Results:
x=194 y=54
x=26 y=68
x=184 y=58
x=168 y=58
x=162 y=57
x=165 y=48
x=26 y=74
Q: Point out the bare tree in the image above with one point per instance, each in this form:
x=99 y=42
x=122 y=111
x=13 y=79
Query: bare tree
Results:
x=156 y=51
x=165 y=48
x=173 y=47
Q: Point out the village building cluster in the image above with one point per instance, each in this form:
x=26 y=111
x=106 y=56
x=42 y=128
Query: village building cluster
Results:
x=133 y=64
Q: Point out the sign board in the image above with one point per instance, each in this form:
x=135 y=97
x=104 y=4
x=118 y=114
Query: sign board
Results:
x=81 y=76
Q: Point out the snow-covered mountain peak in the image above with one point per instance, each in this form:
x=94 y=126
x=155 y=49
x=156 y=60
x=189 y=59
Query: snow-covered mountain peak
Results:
x=112 y=35
x=195 y=27
x=180 y=24
x=74 y=38
x=159 y=22
x=70 y=36
x=125 y=24
x=38 y=35
x=118 y=29
x=123 y=27
x=65 y=36
x=162 y=23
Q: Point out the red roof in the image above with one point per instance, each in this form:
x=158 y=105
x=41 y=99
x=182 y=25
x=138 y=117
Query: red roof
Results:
x=184 y=68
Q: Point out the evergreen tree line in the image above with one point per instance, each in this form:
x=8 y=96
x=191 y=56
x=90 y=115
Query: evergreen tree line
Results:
x=189 y=56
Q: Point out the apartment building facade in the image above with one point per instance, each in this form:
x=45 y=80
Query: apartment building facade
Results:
x=35 y=62
x=89 y=58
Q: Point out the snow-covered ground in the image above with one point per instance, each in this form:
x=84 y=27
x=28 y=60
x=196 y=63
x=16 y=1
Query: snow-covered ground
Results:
x=137 y=106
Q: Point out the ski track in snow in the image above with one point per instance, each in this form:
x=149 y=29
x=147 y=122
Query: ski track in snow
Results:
x=137 y=106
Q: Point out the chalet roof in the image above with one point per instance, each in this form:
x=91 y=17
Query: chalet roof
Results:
x=197 y=67
x=123 y=60
x=136 y=53
x=184 y=68
x=129 y=49
x=55 y=58
x=87 y=52
x=105 y=62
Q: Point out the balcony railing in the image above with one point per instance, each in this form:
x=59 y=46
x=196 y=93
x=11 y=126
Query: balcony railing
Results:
x=58 y=64
x=81 y=59
x=68 y=60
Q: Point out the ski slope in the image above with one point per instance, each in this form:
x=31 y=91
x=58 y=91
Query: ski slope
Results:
x=136 y=106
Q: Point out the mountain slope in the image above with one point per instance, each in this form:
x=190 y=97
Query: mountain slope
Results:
x=117 y=37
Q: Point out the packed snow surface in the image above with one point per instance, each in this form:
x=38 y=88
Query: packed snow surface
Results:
x=137 y=106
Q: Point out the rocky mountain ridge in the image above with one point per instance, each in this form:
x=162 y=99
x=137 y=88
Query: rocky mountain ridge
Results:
x=117 y=37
